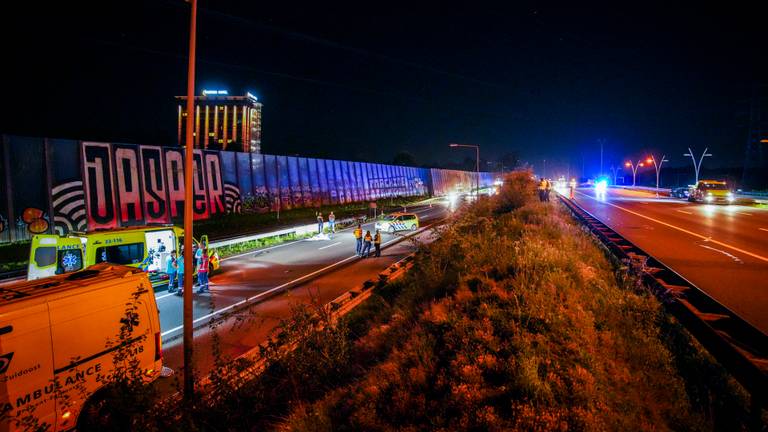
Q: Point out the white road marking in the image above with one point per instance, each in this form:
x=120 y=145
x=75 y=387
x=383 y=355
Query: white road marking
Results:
x=731 y=256
x=686 y=212
x=279 y=287
x=330 y=245
x=705 y=238
x=745 y=214
x=763 y=229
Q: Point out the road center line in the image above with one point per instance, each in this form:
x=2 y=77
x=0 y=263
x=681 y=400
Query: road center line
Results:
x=330 y=245
x=686 y=212
x=726 y=245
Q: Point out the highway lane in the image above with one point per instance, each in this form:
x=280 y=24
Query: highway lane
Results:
x=248 y=328
x=722 y=249
x=254 y=274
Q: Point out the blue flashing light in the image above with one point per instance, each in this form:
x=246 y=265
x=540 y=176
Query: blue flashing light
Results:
x=601 y=185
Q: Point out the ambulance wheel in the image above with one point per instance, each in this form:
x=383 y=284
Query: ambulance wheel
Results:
x=413 y=227
x=391 y=230
x=97 y=415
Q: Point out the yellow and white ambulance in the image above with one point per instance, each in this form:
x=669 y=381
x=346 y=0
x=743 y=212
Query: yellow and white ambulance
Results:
x=145 y=247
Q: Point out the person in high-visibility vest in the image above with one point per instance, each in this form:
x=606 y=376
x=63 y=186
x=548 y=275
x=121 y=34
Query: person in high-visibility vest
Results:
x=377 y=243
x=572 y=187
x=358 y=240
x=367 y=244
x=542 y=189
x=202 y=271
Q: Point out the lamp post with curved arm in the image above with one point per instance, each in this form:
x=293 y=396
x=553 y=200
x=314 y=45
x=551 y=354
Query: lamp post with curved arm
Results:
x=635 y=167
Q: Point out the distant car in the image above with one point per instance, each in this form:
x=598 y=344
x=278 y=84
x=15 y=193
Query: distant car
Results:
x=711 y=191
x=681 y=192
x=398 y=222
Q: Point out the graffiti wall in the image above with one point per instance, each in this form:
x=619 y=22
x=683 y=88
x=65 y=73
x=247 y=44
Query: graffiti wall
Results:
x=58 y=186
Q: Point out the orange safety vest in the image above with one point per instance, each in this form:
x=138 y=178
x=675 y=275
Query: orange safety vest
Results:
x=377 y=239
x=368 y=237
x=358 y=233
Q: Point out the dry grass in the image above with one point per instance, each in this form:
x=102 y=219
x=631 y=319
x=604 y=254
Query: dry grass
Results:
x=514 y=320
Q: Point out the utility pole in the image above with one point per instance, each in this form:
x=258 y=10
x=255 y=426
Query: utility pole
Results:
x=697 y=166
x=189 y=382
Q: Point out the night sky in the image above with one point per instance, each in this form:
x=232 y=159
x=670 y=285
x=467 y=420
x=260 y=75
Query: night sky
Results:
x=351 y=82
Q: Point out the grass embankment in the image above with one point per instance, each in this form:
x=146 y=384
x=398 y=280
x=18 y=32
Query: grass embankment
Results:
x=513 y=320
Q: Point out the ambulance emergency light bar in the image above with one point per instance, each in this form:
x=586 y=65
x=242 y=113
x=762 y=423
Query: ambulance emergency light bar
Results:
x=215 y=92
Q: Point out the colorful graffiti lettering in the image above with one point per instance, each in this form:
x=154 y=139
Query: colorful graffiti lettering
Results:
x=87 y=186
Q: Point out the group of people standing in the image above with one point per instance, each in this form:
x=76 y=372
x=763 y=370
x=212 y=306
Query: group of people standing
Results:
x=363 y=243
x=175 y=270
x=331 y=223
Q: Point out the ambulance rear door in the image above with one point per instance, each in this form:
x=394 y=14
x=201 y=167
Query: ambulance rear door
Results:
x=50 y=255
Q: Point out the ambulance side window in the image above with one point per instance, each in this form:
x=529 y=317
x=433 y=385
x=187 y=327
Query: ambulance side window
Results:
x=45 y=256
x=121 y=254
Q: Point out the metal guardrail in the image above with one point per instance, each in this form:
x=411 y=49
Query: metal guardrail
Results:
x=336 y=308
x=740 y=347
x=297 y=230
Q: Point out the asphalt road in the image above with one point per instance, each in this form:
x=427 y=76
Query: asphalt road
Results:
x=722 y=249
x=264 y=273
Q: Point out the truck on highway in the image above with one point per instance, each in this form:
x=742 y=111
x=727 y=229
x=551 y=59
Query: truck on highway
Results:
x=62 y=339
x=145 y=247
x=711 y=191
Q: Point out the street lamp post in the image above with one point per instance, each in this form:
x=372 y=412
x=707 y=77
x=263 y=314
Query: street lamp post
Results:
x=188 y=217
x=657 y=165
x=634 y=167
x=697 y=166
x=477 y=162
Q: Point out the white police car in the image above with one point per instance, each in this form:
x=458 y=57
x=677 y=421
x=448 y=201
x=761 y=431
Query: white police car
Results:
x=398 y=222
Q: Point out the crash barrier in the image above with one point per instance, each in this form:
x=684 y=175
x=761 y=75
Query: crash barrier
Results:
x=334 y=310
x=298 y=231
x=265 y=295
x=737 y=345
x=59 y=186
x=337 y=308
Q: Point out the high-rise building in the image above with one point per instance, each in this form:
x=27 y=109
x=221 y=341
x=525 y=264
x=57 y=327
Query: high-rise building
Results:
x=223 y=122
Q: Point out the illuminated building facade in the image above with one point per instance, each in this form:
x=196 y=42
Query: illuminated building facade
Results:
x=223 y=122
